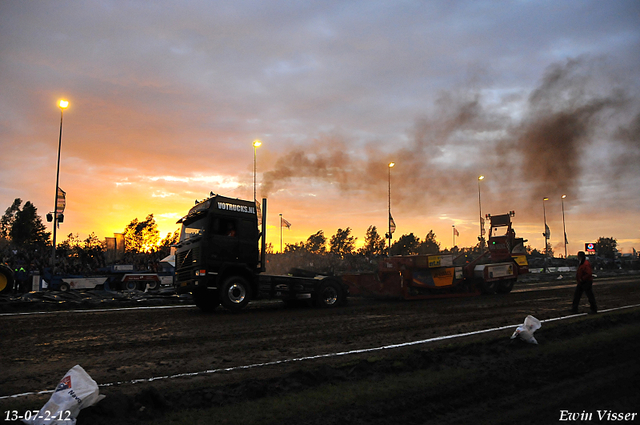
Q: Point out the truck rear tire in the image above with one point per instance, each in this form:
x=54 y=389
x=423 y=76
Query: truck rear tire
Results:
x=131 y=285
x=489 y=288
x=235 y=293
x=6 y=279
x=152 y=285
x=206 y=299
x=506 y=286
x=64 y=287
x=329 y=294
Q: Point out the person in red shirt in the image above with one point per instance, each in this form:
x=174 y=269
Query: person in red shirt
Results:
x=584 y=276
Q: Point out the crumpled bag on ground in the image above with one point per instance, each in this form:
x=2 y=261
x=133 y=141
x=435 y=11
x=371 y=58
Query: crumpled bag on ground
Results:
x=74 y=392
x=525 y=332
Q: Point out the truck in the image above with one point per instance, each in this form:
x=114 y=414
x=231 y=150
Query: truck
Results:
x=412 y=277
x=220 y=259
x=116 y=277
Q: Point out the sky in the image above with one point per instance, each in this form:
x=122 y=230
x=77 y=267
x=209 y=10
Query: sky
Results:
x=166 y=98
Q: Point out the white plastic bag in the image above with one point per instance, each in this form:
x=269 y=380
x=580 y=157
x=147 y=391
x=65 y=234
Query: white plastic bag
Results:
x=74 y=392
x=525 y=332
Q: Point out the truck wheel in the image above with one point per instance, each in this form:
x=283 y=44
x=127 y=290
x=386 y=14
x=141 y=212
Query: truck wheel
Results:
x=131 y=285
x=329 y=294
x=6 y=279
x=152 y=284
x=206 y=300
x=235 y=293
x=64 y=287
x=506 y=286
x=489 y=287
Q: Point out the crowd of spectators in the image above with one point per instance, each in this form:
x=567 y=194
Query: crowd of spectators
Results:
x=27 y=263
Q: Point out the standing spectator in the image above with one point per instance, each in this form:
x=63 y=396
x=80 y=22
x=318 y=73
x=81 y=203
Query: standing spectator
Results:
x=584 y=276
x=20 y=279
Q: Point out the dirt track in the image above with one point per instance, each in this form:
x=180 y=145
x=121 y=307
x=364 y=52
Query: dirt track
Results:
x=120 y=346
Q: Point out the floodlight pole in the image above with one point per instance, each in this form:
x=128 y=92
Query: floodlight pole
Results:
x=564 y=228
x=63 y=104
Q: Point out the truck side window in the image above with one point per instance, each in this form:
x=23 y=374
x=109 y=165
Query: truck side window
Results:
x=248 y=229
x=231 y=229
x=226 y=227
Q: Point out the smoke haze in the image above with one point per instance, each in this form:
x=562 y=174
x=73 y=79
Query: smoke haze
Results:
x=540 y=151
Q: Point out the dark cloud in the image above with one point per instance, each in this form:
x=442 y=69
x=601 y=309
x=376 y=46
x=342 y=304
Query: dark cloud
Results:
x=541 y=153
x=447 y=90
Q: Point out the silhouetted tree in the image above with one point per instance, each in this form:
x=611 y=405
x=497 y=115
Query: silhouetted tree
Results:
x=374 y=244
x=9 y=217
x=27 y=229
x=430 y=245
x=316 y=243
x=607 y=247
x=406 y=245
x=342 y=243
x=170 y=239
x=294 y=247
x=141 y=236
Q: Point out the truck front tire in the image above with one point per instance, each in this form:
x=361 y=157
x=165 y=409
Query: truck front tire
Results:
x=235 y=293
x=206 y=299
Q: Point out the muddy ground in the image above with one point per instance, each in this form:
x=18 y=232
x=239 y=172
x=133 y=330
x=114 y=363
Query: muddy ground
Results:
x=479 y=379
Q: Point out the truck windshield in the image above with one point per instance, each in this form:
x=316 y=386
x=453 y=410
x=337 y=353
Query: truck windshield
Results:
x=499 y=231
x=192 y=229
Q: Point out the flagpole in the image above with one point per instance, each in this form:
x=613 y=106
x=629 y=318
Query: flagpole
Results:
x=280 y=233
x=546 y=234
x=391 y=164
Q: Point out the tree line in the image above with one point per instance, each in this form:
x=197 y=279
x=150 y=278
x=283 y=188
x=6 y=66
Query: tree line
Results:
x=24 y=239
x=343 y=243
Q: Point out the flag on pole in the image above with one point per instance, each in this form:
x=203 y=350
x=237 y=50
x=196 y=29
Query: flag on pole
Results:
x=61 y=201
x=455 y=232
x=566 y=242
x=547 y=232
x=392 y=224
x=286 y=223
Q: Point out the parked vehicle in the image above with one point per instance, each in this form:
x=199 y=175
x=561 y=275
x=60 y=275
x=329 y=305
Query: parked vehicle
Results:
x=117 y=277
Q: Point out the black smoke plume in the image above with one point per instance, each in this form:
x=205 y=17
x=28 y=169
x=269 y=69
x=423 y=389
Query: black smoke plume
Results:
x=537 y=151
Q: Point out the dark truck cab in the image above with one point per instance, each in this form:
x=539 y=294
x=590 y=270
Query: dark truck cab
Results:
x=220 y=259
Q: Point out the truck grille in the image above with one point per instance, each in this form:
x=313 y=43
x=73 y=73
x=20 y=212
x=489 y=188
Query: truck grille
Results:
x=186 y=261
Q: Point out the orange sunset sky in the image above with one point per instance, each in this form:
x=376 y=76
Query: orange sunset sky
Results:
x=166 y=98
